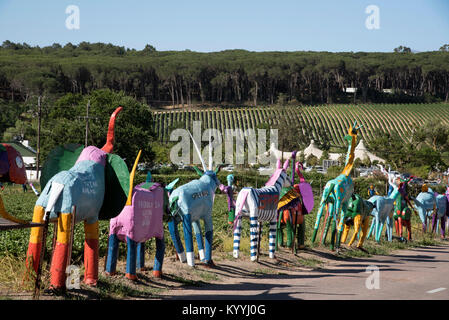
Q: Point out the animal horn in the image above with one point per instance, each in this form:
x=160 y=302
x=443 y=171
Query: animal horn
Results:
x=286 y=164
x=199 y=153
x=131 y=180
x=198 y=171
x=210 y=152
x=109 y=146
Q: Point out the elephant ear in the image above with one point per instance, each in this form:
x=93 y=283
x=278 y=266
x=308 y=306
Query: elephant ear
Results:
x=59 y=159
x=116 y=187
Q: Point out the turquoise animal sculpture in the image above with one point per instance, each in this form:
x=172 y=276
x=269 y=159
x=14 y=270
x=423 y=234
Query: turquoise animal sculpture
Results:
x=337 y=193
x=189 y=204
x=431 y=206
x=95 y=185
x=383 y=209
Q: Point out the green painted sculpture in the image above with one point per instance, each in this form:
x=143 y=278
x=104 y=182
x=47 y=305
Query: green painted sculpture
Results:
x=337 y=193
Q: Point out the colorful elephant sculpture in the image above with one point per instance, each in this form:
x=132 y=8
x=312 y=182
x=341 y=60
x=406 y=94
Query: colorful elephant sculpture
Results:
x=96 y=185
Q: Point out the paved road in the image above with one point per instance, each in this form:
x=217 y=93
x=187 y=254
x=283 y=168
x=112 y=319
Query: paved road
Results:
x=420 y=274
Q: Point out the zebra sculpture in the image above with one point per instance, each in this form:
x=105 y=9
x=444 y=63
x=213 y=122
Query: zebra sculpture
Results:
x=260 y=205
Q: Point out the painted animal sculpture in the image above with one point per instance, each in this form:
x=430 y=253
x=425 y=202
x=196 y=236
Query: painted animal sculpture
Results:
x=260 y=205
x=189 y=204
x=229 y=191
x=292 y=214
x=428 y=203
x=402 y=210
x=337 y=193
x=96 y=185
x=140 y=220
x=12 y=169
x=358 y=215
x=383 y=209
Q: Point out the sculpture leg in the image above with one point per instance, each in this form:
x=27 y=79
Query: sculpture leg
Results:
x=231 y=216
x=373 y=223
x=60 y=253
x=208 y=235
x=111 y=262
x=389 y=228
x=253 y=232
x=317 y=221
x=434 y=222
x=345 y=233
x=159 y=257
x=279 y=232
x=327 y=224
x=131 y=259
x=199 y=238
x=237 y=232
x=91 y=253
x=357 y=225
x=333 y=233
x=140 y=265
x=301 y=233
x=188 y=239
x=272 y=238
x=363 y=232
x=443 y=226
x=289 y=231
x=408 y=225
x=399 y=226
x=174 y=234
x=35 y=243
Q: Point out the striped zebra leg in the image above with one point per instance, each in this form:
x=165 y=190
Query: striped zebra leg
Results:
x=237 y=232
x=253 y=231
x=272 y=238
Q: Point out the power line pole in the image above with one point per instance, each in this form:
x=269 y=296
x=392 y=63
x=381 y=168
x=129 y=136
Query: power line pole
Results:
x=38 y=135
x=87 y=117
x=87 y=123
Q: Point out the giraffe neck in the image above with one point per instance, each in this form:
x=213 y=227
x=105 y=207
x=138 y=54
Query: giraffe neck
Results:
x=350 y=157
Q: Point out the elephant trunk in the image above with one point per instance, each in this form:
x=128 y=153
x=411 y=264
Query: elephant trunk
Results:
x=109 y=146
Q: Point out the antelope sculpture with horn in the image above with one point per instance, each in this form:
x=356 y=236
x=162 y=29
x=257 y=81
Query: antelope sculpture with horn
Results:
x=191 y=203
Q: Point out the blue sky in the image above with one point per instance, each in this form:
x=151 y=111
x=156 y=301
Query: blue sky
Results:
x=255 y=25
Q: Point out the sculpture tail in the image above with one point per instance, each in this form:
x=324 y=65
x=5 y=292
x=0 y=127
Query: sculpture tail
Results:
x=109 y=146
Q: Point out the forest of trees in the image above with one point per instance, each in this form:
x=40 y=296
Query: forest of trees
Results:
x=236 y=77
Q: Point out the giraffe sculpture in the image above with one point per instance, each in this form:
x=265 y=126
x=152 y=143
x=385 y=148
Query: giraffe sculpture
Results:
x=337 y=193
